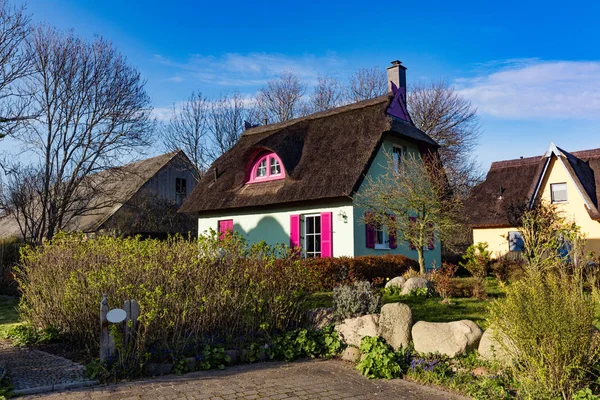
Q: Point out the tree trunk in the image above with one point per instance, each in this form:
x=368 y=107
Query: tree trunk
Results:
x=421 y=260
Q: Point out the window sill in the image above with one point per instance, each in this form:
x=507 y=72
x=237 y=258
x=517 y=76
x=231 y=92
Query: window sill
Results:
x=381 y=248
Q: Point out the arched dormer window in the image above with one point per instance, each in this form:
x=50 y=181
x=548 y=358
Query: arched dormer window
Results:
x=266 y=167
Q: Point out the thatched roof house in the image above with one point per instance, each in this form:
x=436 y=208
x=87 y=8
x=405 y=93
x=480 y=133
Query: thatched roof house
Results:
x=290 y=182
x=570 y=180
x=141 y=197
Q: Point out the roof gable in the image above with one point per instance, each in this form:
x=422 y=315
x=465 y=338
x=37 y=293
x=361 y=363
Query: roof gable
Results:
x=324 y=156
x=519 y=181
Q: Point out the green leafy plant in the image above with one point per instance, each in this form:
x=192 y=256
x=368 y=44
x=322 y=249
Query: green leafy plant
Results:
x=379 y=360
x=477 y=261
x=301 y=343
x=585 y=394
x=96 y=370
x=213 y=357
x=355 y=300
x=549 y=322
x=23 y=335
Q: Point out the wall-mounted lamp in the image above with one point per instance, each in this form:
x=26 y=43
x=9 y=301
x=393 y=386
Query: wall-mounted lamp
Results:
x=342 y=216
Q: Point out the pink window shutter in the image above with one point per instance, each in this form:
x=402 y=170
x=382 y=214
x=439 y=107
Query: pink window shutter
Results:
x=392 y=233
x=369 y=232
x=431 y=238
x=295 y=231
x=413 y=221
x=225 y=227
x=326 y=234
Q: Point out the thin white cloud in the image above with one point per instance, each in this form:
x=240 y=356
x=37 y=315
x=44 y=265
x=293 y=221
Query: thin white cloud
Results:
x=533 y=89
x=251 y=70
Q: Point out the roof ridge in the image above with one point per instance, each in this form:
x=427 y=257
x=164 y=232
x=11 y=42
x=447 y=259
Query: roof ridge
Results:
x=321 y=114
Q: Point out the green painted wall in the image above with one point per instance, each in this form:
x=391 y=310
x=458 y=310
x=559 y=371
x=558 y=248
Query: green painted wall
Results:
x=377 y=168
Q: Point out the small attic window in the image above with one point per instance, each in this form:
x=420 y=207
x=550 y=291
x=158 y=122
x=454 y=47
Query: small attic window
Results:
x=558 y=192
x=266 y=167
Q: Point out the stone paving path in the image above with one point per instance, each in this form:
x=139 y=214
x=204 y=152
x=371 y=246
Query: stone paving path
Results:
x=33 y=371
x=300 y=380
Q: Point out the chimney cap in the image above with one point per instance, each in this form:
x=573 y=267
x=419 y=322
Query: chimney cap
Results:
x=396 y=63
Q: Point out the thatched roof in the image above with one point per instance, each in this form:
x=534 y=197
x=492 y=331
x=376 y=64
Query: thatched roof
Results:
x=325 y=156
x=111 y=189
x=513 y=182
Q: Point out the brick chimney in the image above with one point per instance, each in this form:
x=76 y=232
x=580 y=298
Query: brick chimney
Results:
x=397 y=76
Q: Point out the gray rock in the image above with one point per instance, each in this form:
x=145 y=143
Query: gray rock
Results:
x=320 y=317
x=157 y=369
x=491 y=347
x=395 y=322
x=415 y=283
x=234 y=356
x=449 y=338
x=351 y=354
x=396 y=282
x=352 y=330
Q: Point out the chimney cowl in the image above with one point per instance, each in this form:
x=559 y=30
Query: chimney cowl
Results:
x=396 y=75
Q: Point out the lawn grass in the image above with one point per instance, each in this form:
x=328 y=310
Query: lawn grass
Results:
x=9 y=316
x=431 y=309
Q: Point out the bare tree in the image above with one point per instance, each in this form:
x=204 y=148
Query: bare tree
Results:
x=452 y=121
x=367 y=83
x=328 y=93
x=15 y=64
x=93 y=111
x=411 y=200
x=187 y=130
x=281 y=99
x=204 y=129
x=227 y=118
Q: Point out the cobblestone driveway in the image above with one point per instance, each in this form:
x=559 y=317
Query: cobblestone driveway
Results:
x=299 y=380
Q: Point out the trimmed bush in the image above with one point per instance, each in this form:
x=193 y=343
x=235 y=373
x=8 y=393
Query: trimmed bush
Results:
x=186 y=289
x=355 y=300
x=327 y=273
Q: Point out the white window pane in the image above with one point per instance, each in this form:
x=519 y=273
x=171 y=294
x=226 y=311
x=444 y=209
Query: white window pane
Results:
x=558 y=192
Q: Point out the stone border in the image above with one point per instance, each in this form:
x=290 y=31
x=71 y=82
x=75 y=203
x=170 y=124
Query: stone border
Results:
x=54 y=388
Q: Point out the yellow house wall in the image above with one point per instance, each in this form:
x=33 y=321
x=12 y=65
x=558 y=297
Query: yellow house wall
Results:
x=496 y=238
x=574 y=208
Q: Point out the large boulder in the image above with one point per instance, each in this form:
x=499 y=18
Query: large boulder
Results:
x=351 y=354
x=449 y=338
x=320 y=317
x=395 y=282
x=491 y=346
x=414 y=284
x=395 y=322
x=352 y=330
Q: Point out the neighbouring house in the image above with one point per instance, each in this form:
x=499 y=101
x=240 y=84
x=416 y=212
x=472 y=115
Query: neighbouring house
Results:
x=292 y=182
x=569 y=180
x=137 y=198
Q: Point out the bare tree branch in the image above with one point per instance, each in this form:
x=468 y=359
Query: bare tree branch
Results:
x=187 y=130
x=413 y=199
x=281 y=99
x=452 y=121
x=367 y=83
x=93 y=110
x=15 y=64
x=328 y=93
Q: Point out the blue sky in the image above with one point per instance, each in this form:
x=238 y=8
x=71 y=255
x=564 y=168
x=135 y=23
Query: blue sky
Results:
x=531 y=68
